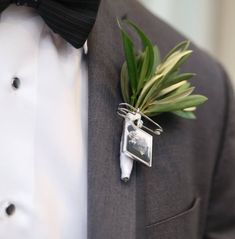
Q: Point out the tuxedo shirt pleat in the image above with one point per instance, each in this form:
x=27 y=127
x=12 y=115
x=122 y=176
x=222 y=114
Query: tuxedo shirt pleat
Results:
x=43 y=165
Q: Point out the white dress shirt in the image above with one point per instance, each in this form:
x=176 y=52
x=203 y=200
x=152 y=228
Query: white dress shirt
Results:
x=43 y=131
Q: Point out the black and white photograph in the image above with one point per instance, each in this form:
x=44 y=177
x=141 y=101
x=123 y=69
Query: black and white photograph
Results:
x=137 y=143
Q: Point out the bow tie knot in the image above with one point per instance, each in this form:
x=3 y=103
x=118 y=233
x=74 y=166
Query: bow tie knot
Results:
x=29 y=3
x=71 y=19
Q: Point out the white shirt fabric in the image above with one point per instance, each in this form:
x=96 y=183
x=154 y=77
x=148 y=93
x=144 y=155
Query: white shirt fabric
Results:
x=43 y=131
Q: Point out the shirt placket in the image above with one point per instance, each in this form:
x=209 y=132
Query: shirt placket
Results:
x=18 y=101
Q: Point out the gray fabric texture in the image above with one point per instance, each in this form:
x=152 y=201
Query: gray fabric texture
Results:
x=189 y=193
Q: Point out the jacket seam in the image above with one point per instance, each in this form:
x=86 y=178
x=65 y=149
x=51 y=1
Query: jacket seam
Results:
x=221 y=142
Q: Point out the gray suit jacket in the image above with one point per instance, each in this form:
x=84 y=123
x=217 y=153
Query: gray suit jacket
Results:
x=189 y=193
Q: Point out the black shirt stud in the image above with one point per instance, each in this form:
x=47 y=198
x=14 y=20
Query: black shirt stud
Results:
x=16 y=83
x=10 y=209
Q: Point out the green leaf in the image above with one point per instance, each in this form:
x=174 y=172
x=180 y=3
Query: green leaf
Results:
x=184 y=86
x=148 y=86
x=178 y=78
x=181 y=85
x=190 y=109
x=176 y=97
x=157 y=60
x=170 y=69
x=174 y=62
x=144 y=70
x=151 y=92
x=139 y=60
x=170 y=97
x=146 y=42
x=187 y=102
x=186 y=115
x=155 y=92
x=182 y=46
x=183 y=60
x=130 y=59
x=125 y=83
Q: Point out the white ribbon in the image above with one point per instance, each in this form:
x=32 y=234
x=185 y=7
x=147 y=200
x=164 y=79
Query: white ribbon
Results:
x=126 y=162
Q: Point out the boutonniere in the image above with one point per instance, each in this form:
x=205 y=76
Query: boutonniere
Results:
x=150 y=86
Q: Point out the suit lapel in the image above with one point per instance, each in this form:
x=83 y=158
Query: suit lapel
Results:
x=111 y=203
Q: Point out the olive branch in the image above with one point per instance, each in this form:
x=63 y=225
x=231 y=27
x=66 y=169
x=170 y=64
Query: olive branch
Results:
x=155 y=85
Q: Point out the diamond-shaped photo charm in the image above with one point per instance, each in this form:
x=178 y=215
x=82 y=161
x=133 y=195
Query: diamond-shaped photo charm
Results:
x=137 y=143
x=137 y=139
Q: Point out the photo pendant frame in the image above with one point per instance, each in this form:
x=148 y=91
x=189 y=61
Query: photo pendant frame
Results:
x=137 y=143
x=137 y=139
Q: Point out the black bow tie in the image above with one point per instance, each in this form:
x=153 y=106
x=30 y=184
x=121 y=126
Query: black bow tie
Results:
x=71 y=19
